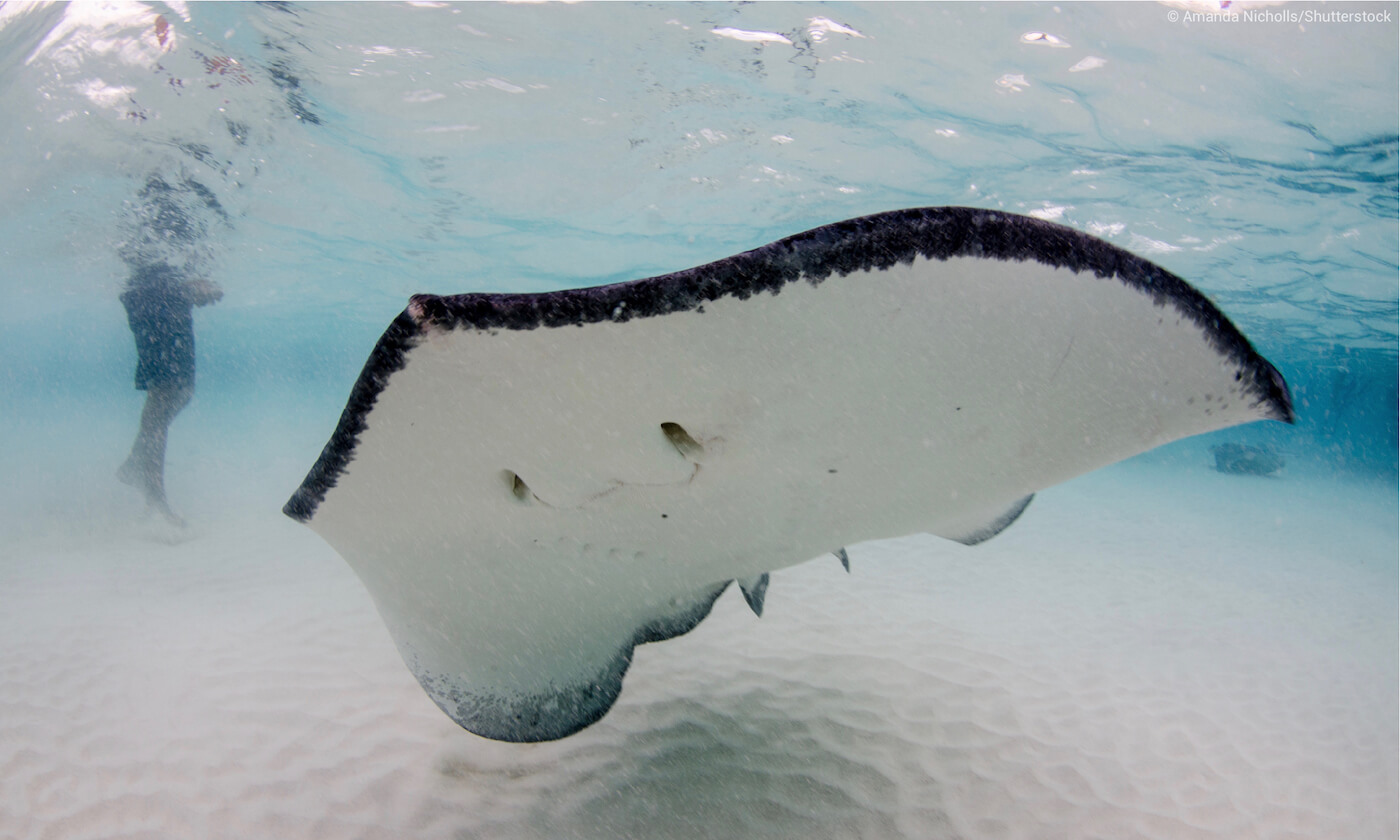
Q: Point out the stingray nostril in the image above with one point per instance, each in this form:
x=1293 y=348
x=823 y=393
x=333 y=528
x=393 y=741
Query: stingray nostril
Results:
x=689 y=448
x=518 y=488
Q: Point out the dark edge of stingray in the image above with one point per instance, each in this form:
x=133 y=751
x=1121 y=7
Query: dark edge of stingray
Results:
x=874 y=242
x=564 y=710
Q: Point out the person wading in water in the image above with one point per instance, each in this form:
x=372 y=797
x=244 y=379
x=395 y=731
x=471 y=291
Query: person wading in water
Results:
x=160 y=304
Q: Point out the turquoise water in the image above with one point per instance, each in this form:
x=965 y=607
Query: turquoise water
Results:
x=328 y=160
x=353 y=155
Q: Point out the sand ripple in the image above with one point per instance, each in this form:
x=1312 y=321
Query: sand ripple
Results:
x=1095 y=672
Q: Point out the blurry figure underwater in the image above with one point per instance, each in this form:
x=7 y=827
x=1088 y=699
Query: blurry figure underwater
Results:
x=160 y=303
x=166 y=241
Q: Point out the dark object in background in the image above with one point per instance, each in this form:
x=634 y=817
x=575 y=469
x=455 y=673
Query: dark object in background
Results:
x=159 y=303
x=1239 y=459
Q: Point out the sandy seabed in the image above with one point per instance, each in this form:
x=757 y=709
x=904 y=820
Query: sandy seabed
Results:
x=1155 y=650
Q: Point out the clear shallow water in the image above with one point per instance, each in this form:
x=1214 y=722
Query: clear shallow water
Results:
x=336 y=158
x=330 y=160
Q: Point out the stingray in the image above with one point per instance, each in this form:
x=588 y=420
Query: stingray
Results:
x=531 y=485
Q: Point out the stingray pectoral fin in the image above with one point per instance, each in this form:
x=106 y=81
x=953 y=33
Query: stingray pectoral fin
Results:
x=493 y=710
x=572 y=679
x=979 y=528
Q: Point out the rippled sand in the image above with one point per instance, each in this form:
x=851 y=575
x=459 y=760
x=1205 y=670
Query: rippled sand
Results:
x=1152 y=651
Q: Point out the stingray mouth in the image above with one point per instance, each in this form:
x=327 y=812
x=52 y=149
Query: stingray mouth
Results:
x=523 y=494
x=682 y=441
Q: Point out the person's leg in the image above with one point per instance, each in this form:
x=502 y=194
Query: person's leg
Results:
x=145 y=467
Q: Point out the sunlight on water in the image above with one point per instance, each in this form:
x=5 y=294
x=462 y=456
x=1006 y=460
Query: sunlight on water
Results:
x=353 y=155
x=1260 y=160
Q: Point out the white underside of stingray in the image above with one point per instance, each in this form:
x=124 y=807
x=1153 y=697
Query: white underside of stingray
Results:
x=531 y=485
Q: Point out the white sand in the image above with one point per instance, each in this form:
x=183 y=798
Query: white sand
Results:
x=1155 y=650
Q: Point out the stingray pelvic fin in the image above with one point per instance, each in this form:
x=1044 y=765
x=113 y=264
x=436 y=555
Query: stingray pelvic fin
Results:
x=754 y=589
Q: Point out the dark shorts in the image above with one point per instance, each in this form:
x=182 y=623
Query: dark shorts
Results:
x=162 y=322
